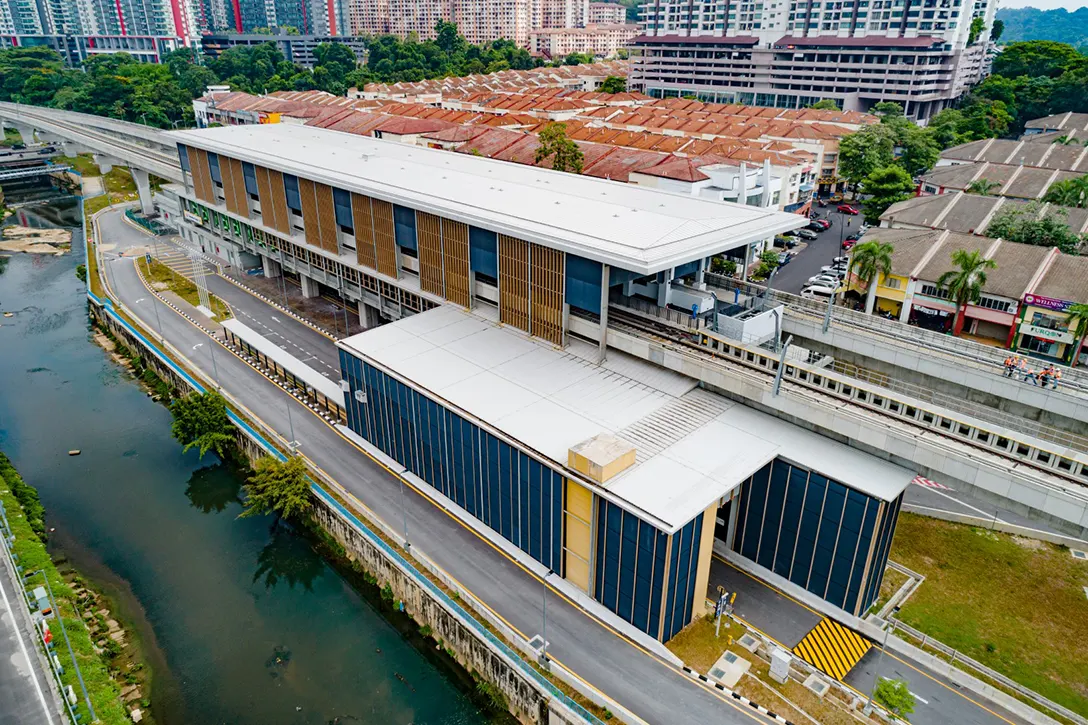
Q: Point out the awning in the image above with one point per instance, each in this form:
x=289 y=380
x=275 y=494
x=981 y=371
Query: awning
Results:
x=305 y=374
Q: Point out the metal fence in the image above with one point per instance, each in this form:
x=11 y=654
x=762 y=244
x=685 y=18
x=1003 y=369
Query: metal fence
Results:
x=958 y=658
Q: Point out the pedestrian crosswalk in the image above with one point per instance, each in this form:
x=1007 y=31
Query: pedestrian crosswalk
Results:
x=180 y=262
x=832 y=648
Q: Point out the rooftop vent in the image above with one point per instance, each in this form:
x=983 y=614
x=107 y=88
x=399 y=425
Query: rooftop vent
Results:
x=601 y=457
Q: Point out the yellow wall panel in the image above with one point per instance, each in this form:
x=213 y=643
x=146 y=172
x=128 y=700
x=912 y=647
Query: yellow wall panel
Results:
x=429 y=239
x=326 y=216
x=706 y=548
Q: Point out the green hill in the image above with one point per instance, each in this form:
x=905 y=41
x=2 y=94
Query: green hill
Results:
x=1034 y=24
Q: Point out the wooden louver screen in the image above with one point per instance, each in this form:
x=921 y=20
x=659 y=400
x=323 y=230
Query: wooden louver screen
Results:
x=546 y=293
x=273 y=200
x=202 y=175
x=234 y=186
x=514 y=282
x=385 y=242
x=364 y=231
x=317 y=214
x=455 y=263
x=429 y=239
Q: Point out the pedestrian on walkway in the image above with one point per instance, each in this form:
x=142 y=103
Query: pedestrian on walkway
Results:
x=1030 y=376
x=1010 y=361
x=1021 y=368
x=1055 y=376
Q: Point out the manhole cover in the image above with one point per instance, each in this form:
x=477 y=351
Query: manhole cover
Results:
x=1078 y=554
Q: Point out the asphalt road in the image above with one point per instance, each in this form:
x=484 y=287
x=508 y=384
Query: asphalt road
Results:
x=25 y=697
x=818 y=253
x=654 y=690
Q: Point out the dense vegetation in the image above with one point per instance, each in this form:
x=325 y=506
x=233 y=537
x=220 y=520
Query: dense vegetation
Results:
x=161 y=95
x=1035 y=24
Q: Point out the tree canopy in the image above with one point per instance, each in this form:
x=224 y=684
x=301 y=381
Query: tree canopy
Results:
x=564 y=153
x=280 y=488
x=1059 y=24
x=884 y=187
x=1021 y=223
x=613 y=84
x=201 y=421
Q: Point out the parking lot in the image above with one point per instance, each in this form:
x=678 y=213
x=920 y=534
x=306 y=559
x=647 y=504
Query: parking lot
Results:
x=819 y=252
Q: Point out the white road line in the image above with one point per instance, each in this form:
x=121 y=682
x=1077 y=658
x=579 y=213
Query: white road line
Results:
x=987 y=514
x=26 y=654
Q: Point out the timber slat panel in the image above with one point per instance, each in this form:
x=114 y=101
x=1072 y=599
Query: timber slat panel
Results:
x=514 y=282
x=279 y=201
x=272 y=214
x=326 y=215
x=202 y=175
x=546 y=293
x=364 y=231
x=455 y=263
x=308 y=197
x=234 y=185
x=429 y=239
x=384 y=237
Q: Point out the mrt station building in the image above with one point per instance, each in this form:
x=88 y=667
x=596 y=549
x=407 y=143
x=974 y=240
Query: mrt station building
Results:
x=491 y=383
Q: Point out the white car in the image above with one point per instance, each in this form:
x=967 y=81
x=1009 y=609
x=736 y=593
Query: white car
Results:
x=839 y=272
x=844 y=261
x=823 y=280
x=817 y=293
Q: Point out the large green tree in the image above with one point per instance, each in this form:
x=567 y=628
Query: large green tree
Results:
x=863 y=152
x=964 y=283
x=1035 y=58
x=1022 y=223
x=280 y=488
x=613 y=84
x=884 y=187
x=201 y=422
x=564 y=153
x=918 y=150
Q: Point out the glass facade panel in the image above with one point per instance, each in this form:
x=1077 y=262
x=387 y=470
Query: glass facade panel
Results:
x=404 y=226
x=249 y=173
x=290 y=187
x=630 y=566
x=213 y=166
x=342 y=203
x=183 y=157
x=483 y=252
x=816 y=532
x=583 y=284
x=511 y=492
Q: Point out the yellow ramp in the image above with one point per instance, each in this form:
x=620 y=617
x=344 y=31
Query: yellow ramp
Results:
x=832 y=648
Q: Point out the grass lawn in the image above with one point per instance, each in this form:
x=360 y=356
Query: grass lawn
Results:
x=183 y=287
x=1015 y=605
x=699 y=649
x=120 y=181
x=83 y=163
x=11 y=137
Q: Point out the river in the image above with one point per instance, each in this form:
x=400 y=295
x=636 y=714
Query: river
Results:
x=241 y=623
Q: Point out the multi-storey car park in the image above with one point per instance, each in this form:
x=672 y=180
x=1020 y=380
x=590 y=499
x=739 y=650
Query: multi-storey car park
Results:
x=492 y=383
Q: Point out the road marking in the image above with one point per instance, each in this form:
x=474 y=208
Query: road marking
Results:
x=199 y=344
x=26 y=654
x=915 y=695
x=276 y=319
x=832 y=648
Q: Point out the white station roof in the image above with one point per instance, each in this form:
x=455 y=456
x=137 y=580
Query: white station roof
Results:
x=287 y=361
x=550 y=400
x=624 y=225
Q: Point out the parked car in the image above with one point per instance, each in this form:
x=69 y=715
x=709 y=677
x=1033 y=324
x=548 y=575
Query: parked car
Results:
x=830 y=269
x=816 y=226
x=817 y=293
x=806 y=234
x=841 y=260
x=823 y=223
x=849 y=244
x=784 y=259
x=847 y=209
x=790 y=233
x=822 y=280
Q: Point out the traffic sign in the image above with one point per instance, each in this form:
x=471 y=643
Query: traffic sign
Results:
x=147 y=257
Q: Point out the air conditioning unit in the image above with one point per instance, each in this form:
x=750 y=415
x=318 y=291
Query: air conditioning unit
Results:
x=345 y=386
x=360 y=396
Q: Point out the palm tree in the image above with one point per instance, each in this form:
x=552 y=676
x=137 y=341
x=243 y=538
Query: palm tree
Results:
x=1078 y=316
x=1071 y=192
x=982 y=187
x=965 y=284
x=868 y=261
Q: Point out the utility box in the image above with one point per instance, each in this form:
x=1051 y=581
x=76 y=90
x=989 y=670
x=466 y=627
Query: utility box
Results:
x=780 y=666
x=601 y=457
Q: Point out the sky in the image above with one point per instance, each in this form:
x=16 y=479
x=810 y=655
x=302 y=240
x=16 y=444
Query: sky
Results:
x=1044 y=4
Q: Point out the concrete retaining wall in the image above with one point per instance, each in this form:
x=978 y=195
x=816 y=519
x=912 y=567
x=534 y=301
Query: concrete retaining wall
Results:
x=528 y=701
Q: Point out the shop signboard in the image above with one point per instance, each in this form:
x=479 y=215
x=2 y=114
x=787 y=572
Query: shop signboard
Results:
x=1045 y=333
x=1047 y=303
x=193 y=218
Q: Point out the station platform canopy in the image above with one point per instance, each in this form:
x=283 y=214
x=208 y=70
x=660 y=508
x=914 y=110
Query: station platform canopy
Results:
x=639 y=229
x=303 y=372
x=692 y=447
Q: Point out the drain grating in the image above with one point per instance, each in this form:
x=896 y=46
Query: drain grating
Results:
x=749 y=643
x=817 y=684
x=1078 y=554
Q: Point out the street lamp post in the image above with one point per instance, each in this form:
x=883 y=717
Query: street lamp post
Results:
x=876 y=671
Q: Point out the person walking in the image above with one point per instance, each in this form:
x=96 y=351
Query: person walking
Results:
x=1021 y=368
x=1055 y=376
x=1030 y=376
x=1009 y=362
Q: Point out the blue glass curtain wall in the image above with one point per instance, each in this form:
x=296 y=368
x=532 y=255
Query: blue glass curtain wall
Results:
x=342 y=206
x=404 y=226
x=816 y=532
x=483 y=251
x=213 y=167
x=584 y=284
x=634 y=566
x=290 y=188
x=249 y=173
x=183 y=157
x=509 y=491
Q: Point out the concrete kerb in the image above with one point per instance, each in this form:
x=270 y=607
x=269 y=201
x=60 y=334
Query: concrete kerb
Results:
x=875 y=633
x=708 y=683
x=1002 y=526
x=568 y=677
